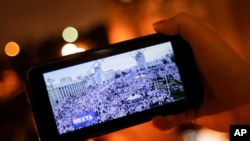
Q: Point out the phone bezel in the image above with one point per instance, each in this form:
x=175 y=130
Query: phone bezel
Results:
x=42 y=111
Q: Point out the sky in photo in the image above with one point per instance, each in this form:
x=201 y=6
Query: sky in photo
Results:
x=116 y=62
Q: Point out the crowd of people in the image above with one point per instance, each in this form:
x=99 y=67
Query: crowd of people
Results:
x=124 y=95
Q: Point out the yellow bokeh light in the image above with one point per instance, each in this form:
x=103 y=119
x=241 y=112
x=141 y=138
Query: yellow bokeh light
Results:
x=70 y=34
x=12 y=49
x=71 y=49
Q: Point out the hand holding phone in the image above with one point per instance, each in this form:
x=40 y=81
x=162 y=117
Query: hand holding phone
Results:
x=124 y=84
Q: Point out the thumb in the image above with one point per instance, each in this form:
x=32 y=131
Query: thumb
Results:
x=190 y=29
x=171 y=121
x=220 y=66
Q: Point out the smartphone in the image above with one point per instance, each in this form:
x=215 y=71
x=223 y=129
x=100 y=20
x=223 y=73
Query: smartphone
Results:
x=104 y=90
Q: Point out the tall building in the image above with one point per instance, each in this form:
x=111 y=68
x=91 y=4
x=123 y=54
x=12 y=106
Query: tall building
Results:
x=140 y=60
x=65 y=89
x=97 y=77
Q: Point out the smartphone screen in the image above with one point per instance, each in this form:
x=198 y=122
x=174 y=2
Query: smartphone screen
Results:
x=113 y=87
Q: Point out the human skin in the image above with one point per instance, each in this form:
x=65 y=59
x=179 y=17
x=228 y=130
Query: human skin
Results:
x=225 y=74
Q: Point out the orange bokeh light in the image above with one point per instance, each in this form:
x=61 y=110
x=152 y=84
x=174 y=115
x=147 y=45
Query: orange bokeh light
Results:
x=12 y=49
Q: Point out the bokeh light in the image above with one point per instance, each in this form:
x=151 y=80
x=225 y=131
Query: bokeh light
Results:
x=206 y=134
x=70 y=34
x=71 y=49
x=12 y=49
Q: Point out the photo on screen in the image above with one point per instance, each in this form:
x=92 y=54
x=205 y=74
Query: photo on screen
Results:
x=112 y=87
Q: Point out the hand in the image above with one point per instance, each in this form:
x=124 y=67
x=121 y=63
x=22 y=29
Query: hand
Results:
x=225 y=75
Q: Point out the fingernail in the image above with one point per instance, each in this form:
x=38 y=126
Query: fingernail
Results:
x=158 y=23
x=160 y=122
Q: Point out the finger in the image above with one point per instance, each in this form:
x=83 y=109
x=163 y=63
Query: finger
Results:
x=166 y=123
x=171 y=121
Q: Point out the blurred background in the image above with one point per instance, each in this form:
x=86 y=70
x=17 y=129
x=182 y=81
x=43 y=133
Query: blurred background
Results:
x=32 y=32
